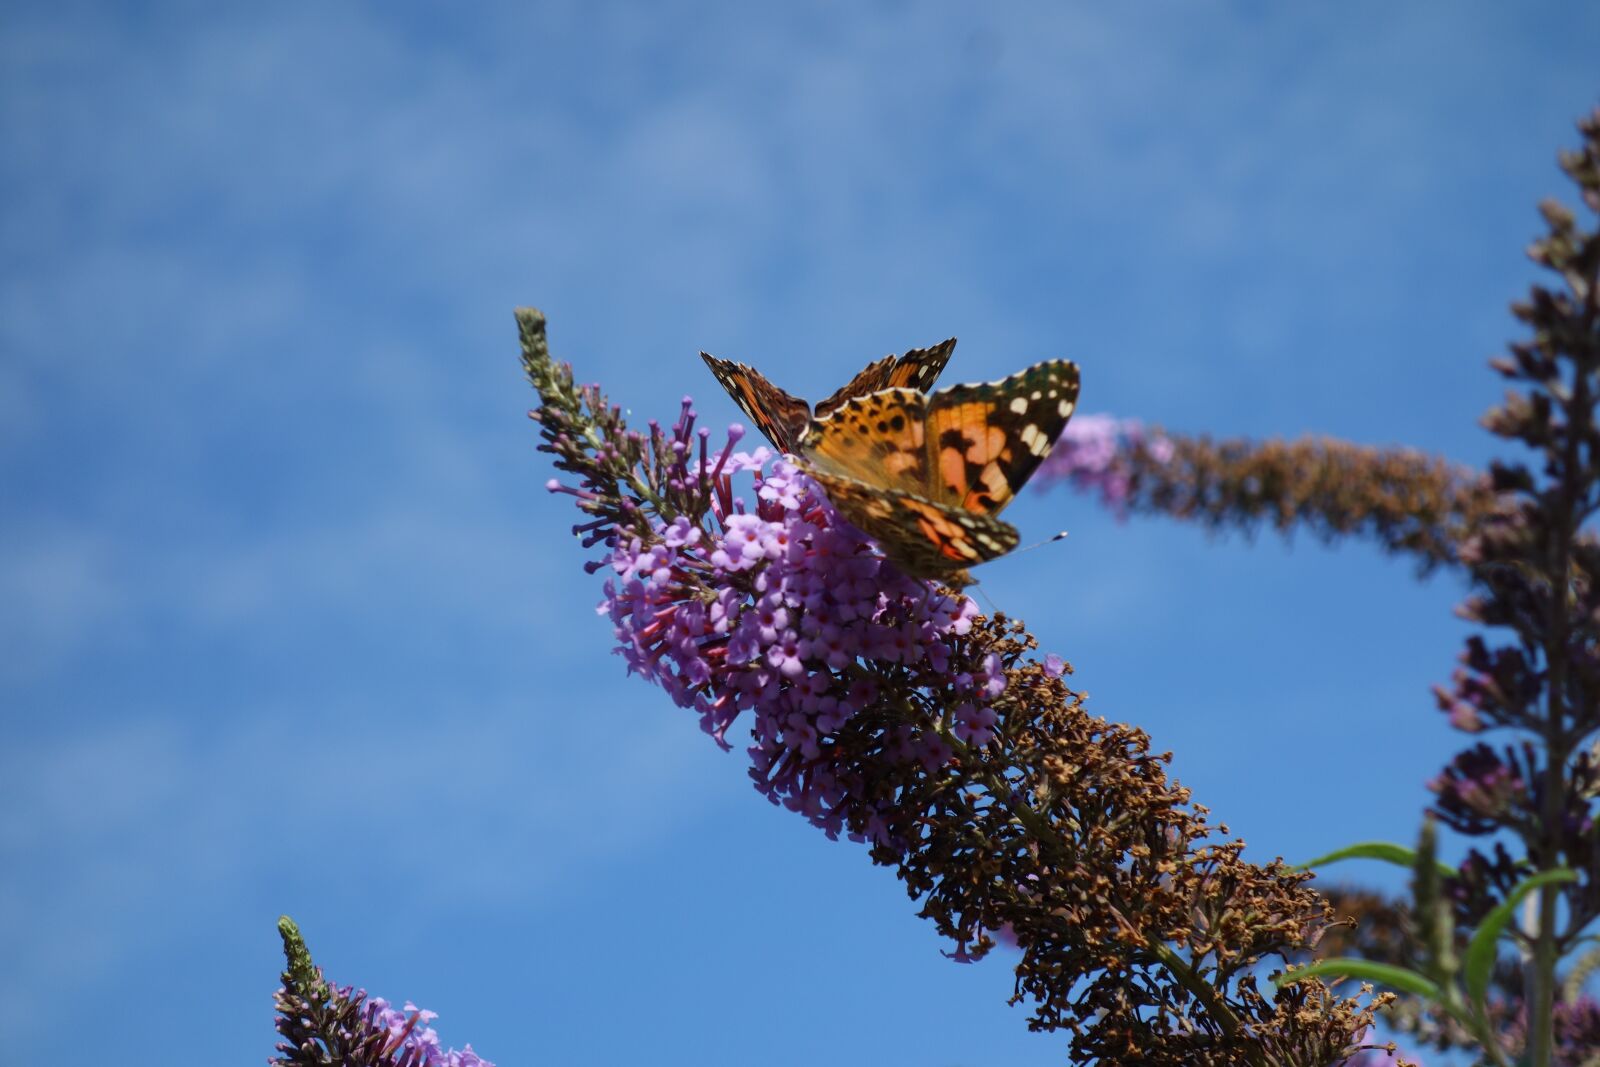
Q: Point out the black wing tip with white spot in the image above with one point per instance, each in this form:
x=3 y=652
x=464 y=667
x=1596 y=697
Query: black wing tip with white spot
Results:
x=1062 y=373
x=931 y=362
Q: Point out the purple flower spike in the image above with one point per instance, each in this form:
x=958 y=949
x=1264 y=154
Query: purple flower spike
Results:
x=804 y=608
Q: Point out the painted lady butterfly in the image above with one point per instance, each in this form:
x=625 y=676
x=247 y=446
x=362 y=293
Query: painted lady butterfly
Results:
x=783 y=417
x=923 y=475
x=926 y=475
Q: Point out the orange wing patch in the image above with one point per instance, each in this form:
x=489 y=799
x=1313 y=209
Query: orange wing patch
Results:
x=990 y=438
x=880 y=438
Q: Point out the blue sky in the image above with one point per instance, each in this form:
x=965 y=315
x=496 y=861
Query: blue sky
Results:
x=291 y=625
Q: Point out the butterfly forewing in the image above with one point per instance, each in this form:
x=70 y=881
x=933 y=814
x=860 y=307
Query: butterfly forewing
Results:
x=985 y=441
x=781 y=417
x=918 y=369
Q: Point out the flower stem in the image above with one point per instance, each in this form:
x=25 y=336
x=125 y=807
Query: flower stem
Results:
x=1564 y=526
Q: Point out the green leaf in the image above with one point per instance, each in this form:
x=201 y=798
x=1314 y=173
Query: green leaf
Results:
x=1401 y=978
x=1388 y=851
x=1481 y=950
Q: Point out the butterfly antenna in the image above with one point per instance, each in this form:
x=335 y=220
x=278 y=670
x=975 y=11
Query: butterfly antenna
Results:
x=1062 y=536
x=994 y=608
x=973 y=583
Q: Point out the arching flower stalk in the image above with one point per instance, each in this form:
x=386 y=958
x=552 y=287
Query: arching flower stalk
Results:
x=1405 y=500
x=891 y=712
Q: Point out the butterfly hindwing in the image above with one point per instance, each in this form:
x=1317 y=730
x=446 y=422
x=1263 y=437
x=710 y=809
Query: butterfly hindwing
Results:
x=781 y=417
x=918 y=369
x=922 y=538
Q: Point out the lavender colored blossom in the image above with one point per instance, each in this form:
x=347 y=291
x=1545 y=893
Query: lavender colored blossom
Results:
x=801 y=607
x=1092 y=455
x=775 y=606
x=410 y=1034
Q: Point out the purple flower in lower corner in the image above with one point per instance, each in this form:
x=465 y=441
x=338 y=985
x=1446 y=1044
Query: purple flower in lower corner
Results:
x=322 y=1023
x=358 y=1031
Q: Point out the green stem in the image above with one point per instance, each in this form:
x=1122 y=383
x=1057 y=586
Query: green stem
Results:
x=1541 y=978
x=1203 y=992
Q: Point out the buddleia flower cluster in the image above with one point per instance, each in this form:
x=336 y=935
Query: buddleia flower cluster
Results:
x=326 y=1025
x=890 y=711
x=1526 y=788
x=1407 y=501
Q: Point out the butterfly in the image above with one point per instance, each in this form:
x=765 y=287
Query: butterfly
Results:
x=925 y=475
x=784 y=418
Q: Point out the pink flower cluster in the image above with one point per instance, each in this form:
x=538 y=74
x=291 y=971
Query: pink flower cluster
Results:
x=1092 y=454
x=786 y=612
